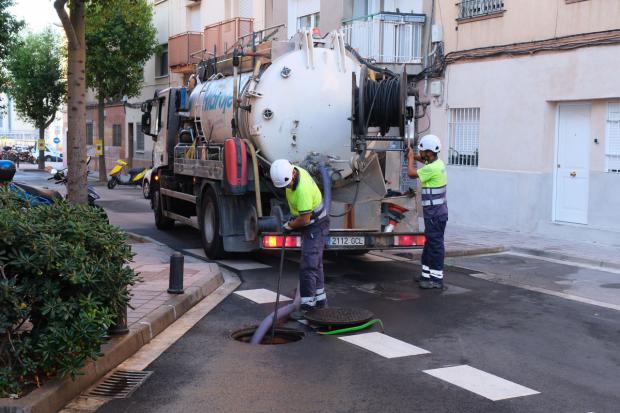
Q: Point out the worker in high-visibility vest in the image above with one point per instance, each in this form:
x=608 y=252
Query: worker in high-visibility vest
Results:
x=434 y=180
x=310 y=218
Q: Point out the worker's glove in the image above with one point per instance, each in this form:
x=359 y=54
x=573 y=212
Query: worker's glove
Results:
x=286 y=228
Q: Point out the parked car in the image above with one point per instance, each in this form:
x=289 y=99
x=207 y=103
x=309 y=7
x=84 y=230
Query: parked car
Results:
x=51 y=155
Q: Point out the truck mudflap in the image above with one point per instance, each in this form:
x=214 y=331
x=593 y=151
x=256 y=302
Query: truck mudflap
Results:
x=349 y=240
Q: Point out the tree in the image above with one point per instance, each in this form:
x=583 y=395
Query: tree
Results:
x=120 y=38
x=73 y=22
x=9 y=28
x=37 y=83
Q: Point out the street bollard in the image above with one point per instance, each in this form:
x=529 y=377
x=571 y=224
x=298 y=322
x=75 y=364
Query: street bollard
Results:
x=175 y=285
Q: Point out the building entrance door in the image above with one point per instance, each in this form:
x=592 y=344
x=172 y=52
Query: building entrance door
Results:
x=573 y=164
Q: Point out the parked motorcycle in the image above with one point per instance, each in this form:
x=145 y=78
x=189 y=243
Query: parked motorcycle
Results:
x=34 y=195
x=136 y=175
x=60 y=177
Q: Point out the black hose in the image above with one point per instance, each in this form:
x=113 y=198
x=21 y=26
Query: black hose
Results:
x=368 y=62
x=382 y=103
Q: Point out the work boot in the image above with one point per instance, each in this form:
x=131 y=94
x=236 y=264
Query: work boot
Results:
x=321 y=304
x=426 y=284
x=301 y=313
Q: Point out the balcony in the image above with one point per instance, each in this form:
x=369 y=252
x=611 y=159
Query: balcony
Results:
x=470 y=9
x=388 y=38
x=180 y=50
x=220 y=38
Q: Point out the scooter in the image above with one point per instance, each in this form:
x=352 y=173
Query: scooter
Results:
x=136 y=175
x=60 y=177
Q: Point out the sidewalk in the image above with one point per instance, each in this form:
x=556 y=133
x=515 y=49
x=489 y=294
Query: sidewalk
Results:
x=153 y=310
x=462 y=241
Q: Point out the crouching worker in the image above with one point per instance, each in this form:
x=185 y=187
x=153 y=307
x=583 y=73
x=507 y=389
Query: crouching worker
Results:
x=434 y=179
x=309 y=217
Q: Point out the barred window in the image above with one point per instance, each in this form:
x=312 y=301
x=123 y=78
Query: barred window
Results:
x=89 y=133
x=139 y=138
x=612 y=138
x=475 y=8
x=464 y=136
x=116 y=135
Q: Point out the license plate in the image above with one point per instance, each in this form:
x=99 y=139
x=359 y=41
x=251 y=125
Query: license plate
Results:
x=347 y=241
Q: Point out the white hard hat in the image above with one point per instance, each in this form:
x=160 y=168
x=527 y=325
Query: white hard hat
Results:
x=430 y=143
x=281 y=173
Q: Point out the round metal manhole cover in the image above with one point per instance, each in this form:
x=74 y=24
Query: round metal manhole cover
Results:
x=338 y=316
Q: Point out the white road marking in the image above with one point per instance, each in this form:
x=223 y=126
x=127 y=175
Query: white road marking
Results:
x=384 y=345
x=261 y=296
x=243 y=264
x=482 y=383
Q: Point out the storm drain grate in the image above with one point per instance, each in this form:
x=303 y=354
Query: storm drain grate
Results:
x=338 y=316
x=120 y=384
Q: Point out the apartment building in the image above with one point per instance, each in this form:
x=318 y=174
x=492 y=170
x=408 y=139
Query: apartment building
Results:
x=528 y=109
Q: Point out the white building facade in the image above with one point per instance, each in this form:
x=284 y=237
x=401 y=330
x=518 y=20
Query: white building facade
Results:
x=529 y=113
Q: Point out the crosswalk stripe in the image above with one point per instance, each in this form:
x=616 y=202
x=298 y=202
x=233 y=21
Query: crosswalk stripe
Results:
x=483 y=384
x=243 y=264
x=261 y=296
x=384 y=345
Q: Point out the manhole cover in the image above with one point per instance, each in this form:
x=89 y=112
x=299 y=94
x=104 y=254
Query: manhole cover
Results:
x=120 y=384
x=338 y=316
x=282 y=335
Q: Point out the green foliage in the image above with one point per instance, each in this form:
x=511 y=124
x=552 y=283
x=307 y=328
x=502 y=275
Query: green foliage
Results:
x=120 y=39
x=37 y=84
x=9 y=28
x=63 y=279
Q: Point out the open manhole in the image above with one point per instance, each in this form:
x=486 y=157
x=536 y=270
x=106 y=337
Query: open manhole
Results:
x=338 y=316
x=120 y=384
x=282 y=335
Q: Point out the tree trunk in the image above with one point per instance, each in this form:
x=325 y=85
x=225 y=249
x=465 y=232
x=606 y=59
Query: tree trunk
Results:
x=76 y=106
x=41 y=152
x=103 y=176
x=130 y=139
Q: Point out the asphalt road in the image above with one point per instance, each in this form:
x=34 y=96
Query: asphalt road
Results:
x=498 y=347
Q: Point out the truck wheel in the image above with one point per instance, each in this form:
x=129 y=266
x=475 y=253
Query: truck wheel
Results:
x=161 y=222
x=209 y=222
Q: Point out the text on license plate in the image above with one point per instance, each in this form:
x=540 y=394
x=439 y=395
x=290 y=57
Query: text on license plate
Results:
x=347 y=241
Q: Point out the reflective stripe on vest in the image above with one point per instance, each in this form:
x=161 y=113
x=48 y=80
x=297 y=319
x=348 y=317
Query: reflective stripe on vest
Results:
x=433 y=196
x=318 y=213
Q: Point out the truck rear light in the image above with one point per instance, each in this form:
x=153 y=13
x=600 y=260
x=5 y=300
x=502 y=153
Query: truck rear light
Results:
x=409 y=240
x=275 y=241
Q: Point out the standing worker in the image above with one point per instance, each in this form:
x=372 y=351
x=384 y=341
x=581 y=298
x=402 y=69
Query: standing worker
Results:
x=309 y=216
x=434 y=180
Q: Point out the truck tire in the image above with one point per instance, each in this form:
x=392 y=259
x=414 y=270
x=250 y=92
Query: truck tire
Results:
x=161 y=222
x=209 y=222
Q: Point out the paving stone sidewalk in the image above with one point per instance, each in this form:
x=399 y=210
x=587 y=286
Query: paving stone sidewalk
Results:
x=461 y=237
x=152 y=261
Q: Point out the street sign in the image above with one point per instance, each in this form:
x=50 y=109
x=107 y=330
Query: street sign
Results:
x=56 y=140
x=99 y=147
x=41 y=144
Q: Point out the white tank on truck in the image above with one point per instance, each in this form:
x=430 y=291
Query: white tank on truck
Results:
x=300 y=105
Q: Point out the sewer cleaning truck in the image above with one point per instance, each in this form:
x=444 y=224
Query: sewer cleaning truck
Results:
x=312 y=101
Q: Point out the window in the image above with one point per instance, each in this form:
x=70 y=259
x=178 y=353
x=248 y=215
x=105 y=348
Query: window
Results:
x=475 y=8
x=161 y=61
x=309 y=21
x=139 y=138
x=89 y=133
x=464 y=134
x=116 y=135
x=612 y=138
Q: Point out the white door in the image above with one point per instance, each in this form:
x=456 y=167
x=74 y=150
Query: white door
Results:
x=573 y=164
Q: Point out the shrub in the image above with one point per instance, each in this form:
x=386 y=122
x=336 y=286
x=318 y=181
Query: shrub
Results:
x=63 y=280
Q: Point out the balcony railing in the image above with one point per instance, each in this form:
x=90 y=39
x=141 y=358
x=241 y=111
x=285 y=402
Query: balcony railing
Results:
x=181 y=47
x=387 y=37
x=476 y=8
